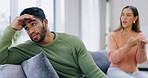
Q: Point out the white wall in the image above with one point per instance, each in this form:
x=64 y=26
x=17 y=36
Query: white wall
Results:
x=91 y=24
x=73 y=17
x=82 y=18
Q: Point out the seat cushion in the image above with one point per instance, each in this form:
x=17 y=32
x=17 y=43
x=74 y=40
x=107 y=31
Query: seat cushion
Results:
x=101 y=59
x=39 y=67
x=11 y=71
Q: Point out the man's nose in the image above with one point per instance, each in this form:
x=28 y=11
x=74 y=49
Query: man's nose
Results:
x=31 y=31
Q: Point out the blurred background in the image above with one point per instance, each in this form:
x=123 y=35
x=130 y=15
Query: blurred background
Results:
x=90 y=20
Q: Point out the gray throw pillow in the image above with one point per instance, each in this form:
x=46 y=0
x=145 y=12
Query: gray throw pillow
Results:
x=39 y=67
x=11 y=71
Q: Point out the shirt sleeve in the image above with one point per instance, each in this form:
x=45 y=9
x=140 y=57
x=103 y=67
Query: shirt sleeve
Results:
x=5 y=43
x=141 y=55
x=9 y=54
x=87 y=64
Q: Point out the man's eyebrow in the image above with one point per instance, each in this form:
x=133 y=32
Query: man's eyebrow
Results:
x=31 y=21
x=28 y=22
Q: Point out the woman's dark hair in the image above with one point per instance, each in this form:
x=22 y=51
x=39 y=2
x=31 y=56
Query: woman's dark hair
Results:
x=136 y=25
x=35 y=11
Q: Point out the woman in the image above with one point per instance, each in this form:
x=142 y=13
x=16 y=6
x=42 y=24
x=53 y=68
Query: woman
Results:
x=127 y=46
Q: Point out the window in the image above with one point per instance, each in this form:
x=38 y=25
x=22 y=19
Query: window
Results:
x=4 y=15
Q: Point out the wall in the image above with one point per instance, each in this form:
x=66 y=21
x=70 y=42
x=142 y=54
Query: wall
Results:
x=86 y=19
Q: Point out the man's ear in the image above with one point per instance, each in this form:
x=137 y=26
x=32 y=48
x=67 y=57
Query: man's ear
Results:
x=45 y=22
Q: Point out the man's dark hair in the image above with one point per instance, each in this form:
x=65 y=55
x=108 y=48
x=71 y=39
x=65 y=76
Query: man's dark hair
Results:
x=35 y=11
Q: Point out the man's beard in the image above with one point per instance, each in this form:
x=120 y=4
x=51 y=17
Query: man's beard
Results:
x=42 y=35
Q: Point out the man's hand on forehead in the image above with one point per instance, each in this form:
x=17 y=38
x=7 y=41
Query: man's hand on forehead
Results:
x=19 y=22
x=26 y=17
x=25 y=21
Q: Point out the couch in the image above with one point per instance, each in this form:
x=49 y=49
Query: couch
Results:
x=32 y=68
x=36 y=67
x=101 y=59
x=40 y=62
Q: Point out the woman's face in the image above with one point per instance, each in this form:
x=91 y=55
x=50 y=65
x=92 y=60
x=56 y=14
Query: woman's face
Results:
x=127 y=18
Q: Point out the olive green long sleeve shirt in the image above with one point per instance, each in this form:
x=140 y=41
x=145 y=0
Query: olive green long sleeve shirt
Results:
x=66 y=53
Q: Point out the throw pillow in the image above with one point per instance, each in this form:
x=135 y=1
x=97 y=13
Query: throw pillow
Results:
x=39 y=67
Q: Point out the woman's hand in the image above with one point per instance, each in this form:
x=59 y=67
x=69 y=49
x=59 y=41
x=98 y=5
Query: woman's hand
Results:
x=132 y=42
x=141 y=43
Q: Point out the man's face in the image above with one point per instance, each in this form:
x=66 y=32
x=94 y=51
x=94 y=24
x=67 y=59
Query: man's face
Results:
x=35 y=29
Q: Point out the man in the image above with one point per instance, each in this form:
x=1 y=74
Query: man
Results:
x=65 y=52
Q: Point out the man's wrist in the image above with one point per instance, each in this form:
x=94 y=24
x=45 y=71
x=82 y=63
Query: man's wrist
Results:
x=11 y=28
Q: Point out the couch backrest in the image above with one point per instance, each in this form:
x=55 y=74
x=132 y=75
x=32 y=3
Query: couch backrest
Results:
x=101 y=59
